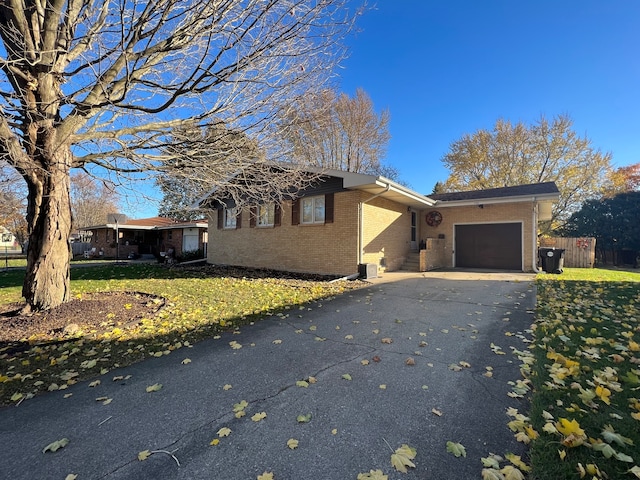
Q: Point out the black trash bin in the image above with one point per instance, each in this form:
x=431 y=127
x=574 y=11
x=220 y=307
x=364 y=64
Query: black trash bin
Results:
x=551 y=259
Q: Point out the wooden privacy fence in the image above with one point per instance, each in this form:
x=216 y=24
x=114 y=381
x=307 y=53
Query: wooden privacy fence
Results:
x=578 y=252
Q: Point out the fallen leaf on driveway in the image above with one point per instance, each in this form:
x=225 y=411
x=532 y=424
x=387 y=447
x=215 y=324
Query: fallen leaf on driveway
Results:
x=457 y=449
x=455 y=367
x=346 y=376
x=259 y=416
x=304 y=418
x=401 y=458
x=143 y=455
x=437 y=412
x=154 y=388
x=55 y=446
x=186 y=361
x=373 y=475
x=266 y=476
x=292 y=443
x=410 y=361
x=387 y=340
x=224 y=432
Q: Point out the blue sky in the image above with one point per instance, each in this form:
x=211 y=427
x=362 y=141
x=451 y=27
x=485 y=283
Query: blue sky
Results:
x=449 y=67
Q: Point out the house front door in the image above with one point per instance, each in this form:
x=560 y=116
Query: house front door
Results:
x=414 y=230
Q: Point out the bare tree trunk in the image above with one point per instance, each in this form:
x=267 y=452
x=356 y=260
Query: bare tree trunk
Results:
x=46 y=284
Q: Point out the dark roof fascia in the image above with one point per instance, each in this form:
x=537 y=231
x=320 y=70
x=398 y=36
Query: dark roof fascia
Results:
x=547 y=191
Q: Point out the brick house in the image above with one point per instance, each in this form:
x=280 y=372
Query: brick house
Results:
x=148 y=236
x=349 y=220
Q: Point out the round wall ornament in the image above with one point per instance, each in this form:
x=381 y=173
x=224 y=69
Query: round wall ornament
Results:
x=434 y=218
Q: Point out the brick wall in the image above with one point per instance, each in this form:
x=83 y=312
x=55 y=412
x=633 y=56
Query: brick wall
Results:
x=433 y=255
x=330 y=248
x=490 y=213
x=386 y=233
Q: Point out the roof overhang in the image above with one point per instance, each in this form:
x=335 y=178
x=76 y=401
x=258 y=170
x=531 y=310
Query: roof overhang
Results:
x=382 y=187
x=540 y=198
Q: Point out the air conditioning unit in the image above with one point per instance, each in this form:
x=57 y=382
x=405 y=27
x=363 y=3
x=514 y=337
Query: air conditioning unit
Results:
x=368 y=270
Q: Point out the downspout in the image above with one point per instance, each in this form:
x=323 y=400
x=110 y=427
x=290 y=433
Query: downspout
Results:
x=534 y=240
x=361 y=221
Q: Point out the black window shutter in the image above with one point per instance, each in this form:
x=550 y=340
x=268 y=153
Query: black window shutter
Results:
x=328 y=208
x=295 y=212
x=253 y=214
x=277 y=215
x=220 y=218
x=239 y=219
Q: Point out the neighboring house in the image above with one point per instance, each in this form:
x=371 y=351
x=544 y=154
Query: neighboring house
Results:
x=349 y=220
x=154 y=236
x=8 y=240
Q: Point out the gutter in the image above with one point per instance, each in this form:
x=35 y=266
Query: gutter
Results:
x=361 y=220
x=534 y=240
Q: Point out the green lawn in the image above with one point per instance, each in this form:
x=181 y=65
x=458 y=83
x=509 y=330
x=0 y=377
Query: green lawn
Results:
x=199 y=306
x=585 y=407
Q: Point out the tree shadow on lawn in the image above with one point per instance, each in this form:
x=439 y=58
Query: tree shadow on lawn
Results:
x=140 y=271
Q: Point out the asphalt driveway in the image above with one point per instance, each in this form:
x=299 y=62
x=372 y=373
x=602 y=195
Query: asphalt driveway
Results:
x=366 y=400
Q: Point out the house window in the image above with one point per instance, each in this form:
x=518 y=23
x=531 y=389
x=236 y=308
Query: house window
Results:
x=312 y=210
x=230 y=218
x=266 y=215
x=169 y=234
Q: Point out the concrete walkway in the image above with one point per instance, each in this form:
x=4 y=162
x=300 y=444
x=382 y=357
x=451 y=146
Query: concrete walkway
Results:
x=365 y=401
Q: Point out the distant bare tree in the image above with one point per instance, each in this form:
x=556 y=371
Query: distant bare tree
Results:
x=339 y=132
x=91 y=200
x=13 y=205
x=102 y=84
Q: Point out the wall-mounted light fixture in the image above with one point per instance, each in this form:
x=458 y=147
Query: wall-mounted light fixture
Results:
x=481 y=206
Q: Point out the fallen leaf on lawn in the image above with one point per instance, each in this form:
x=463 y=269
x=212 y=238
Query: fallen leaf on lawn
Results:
x=292 y=443
x=410 y=361
x=266 y=476
x=346 y=376
x=55 y=446
x=373 y=475
x=304 y=418
x=437 y=412
x=227 y=387
x=186 y=361
x=387 y=340
x=224 y=432
x=401 y=458
x=457 y=449
x=154 y=388
x=635 y=470
x=259 y=416
x=517 y=461
x=143 y=455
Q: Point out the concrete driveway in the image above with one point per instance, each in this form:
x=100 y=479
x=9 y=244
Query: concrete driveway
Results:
x=365 y=402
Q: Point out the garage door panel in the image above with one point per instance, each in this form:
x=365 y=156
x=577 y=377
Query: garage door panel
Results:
x=493 y=245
